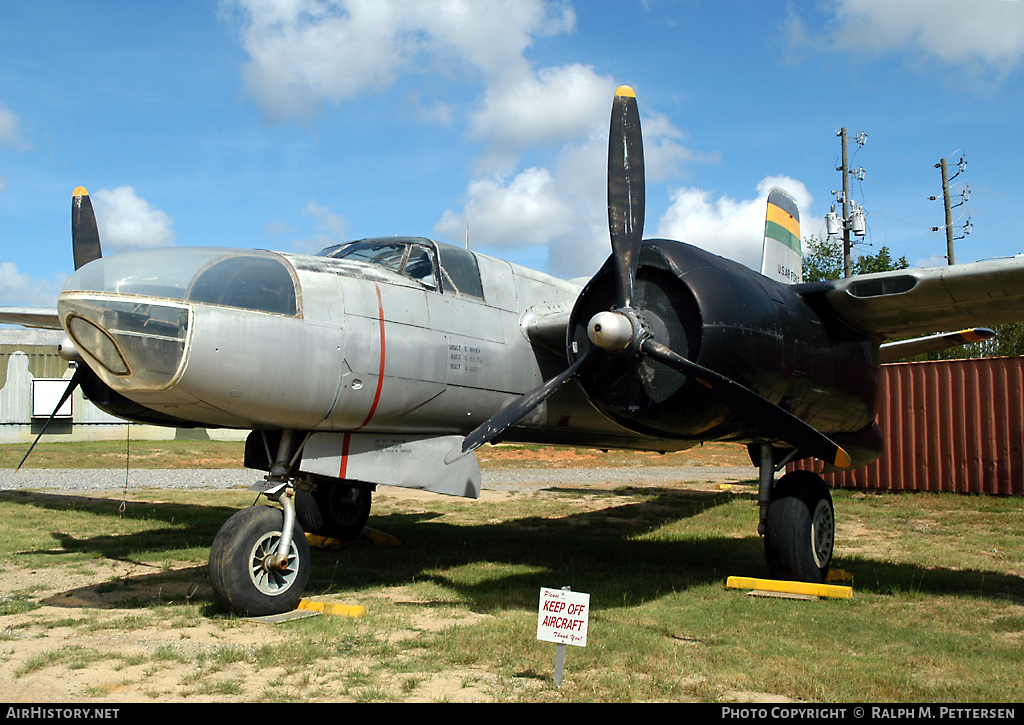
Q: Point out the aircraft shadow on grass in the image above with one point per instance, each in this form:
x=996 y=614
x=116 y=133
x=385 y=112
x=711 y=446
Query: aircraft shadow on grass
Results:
x=605 y=552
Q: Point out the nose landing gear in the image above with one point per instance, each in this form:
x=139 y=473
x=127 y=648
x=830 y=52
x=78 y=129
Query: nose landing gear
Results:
x=259 y=560
x=249 y=572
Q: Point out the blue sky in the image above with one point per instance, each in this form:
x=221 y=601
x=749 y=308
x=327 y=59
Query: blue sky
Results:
x=293 y=124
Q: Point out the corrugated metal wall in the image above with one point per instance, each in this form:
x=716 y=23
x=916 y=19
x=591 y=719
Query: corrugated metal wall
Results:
x=41 y=348
x=954 y=425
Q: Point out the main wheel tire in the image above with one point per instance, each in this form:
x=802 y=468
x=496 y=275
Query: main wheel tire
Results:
x=336 y=510
x=801 y=530
x=237 y=570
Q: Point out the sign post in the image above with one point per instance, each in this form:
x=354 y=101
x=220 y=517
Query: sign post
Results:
x=562 y=618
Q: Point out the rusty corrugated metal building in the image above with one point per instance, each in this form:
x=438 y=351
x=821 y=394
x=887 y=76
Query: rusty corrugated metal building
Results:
x=952 y=425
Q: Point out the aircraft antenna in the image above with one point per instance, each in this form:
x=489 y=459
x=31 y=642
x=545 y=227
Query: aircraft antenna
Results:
x=467 y=234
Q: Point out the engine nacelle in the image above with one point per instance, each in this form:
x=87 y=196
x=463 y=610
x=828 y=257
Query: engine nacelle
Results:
x=730 y=319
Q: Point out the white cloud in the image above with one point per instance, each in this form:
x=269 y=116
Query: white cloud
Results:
x=525 y=210
x=330 y=229
x=126 y=221
x=433 y=112
x=979 y=35
x=327 y=221
x=728 y=227
x=9 y=135
x=303 y=53
x=563 y=206
x=22 y=290
x=553 y=104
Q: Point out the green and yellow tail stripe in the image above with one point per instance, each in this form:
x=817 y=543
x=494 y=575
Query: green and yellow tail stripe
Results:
x=782 y=222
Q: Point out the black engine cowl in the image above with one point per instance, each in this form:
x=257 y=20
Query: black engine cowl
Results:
x=729 y=319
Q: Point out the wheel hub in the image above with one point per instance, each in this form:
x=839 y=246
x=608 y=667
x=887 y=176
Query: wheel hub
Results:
x=822 y=533
x=271 y=573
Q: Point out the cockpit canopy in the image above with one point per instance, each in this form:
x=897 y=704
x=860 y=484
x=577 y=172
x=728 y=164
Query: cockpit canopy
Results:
x=248 y=279
x=423 y=260
x=128 y=314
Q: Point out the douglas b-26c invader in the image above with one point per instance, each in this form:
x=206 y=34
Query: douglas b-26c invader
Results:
x=389 y=361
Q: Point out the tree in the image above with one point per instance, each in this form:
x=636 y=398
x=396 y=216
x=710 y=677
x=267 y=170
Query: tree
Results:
x=824 y=260
x=881 y=262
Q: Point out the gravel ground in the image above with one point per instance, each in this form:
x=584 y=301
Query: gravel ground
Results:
x=505 y=479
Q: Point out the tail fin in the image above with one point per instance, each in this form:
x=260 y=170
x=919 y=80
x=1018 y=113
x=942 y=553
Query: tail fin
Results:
x=781 y=258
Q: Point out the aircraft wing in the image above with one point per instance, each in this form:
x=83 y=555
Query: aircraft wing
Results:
x=44 y=317
x=893 y=351
x=918 y=301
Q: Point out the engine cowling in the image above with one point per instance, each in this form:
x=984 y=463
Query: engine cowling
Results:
x=725 y=317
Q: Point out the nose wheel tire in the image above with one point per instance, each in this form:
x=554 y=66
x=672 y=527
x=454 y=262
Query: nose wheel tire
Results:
x=336 y=510
x=242 y=569
x=800 y=531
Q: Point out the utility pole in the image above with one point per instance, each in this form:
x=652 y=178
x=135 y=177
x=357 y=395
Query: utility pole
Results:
x=847 y=259
x=949 y=212
x=964 y=195
x=853 y=214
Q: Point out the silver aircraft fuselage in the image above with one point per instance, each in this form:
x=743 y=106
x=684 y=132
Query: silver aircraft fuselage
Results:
x=253 y=339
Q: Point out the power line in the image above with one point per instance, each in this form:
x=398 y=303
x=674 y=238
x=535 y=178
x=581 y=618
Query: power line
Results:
x=904 y=221
x=904 y=158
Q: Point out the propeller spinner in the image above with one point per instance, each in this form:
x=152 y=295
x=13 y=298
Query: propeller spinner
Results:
x=623 y=330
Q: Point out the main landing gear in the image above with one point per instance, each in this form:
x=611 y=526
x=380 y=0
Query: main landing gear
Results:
x=797 y=522
x=334 y=509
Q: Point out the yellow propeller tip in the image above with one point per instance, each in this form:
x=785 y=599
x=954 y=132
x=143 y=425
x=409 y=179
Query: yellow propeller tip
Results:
x=842 y=459
x=625 y=91
x=80 y=191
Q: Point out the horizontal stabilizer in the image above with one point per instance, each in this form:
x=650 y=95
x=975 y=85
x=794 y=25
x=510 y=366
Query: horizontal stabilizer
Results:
x=892 y=351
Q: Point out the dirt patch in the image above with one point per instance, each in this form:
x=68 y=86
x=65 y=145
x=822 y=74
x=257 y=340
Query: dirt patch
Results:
x=512 y=456
x=111 y=631
x=88 y=639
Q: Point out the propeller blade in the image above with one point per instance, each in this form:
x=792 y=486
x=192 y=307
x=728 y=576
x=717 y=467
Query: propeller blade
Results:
x=76 y=379
x=85 y=237
x=512 y=413
x=751 y=406
x=625 y=190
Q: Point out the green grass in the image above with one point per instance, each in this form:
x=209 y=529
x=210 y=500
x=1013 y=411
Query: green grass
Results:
x=229 y=454
x=937 y=614
x=114 y=454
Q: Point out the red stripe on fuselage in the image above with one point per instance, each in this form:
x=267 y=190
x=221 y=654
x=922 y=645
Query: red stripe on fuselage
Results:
x=344 y=456
x=380 y=384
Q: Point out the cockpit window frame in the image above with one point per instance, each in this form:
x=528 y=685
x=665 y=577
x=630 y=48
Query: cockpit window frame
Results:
x=251 y=253
x=444 y=281
x=409 y=244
